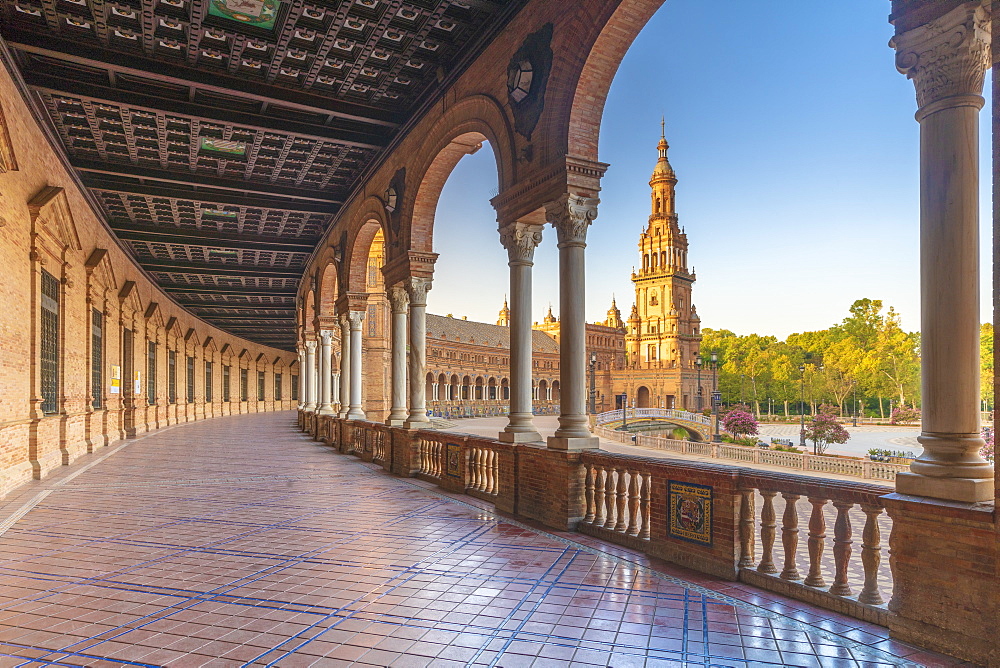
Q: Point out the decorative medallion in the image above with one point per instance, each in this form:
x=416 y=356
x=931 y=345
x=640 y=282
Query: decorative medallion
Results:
x=453 y=460
x=222 y=148
x=527 y=77
x=255 y=13
x=690 y=510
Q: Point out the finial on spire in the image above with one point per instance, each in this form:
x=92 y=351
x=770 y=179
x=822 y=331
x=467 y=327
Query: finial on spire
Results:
x=663 y=127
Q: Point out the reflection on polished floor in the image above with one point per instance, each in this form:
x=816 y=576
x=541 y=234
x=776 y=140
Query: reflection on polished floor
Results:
x=238 y=541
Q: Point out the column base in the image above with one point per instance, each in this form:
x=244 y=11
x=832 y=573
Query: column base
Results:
x=417 y=424
x=967 y=490
x=356 y=414
x=395 y=422
x=573 y=443
x=520 y=437
x=326 y=411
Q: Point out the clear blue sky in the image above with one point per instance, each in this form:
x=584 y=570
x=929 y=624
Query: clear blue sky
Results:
x=795 y=148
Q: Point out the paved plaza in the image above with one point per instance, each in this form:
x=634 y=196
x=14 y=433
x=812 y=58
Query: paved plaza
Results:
x=239 y=541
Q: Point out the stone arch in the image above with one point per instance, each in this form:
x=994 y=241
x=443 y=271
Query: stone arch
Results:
x=459 y=132
x=616 y=36
x=327 y=285
x=357 y=244
x=642 y=397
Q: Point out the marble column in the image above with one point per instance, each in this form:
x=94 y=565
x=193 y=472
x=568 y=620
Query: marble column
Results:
x=571 y=215
x=947 y=61
x=310 y=373
x=520 y=240
x=417 y=289
x=345 y=365
x=325 y=371
x=356 y=319
x=335 y=387
x=399 y=301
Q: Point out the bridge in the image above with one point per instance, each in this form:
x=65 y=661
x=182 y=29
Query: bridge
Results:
x=649 y=419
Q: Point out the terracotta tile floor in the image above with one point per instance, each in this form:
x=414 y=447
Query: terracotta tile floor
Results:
x=238 y=541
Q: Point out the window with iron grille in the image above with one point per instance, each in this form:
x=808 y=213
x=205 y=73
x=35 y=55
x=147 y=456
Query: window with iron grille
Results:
x=50 y=343
x=172 y=376
x=127 y=389
x=260 y=386
x=295 y=387
x=225 y=382
x=151 y=372
x=190 y=379
x=97 y=359
x=244 y=385
x=208 y=381
x=277 y=387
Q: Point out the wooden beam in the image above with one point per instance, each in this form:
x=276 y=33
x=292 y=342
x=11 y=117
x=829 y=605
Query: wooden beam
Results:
x=188 y=237
x=236 y=290
x=219 y=269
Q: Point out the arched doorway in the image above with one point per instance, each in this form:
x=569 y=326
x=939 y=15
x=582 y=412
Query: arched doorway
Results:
x=642 y=397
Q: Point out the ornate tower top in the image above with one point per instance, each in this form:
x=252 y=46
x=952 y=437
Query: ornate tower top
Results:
x=663 y=171
x=614 y=316
x=549 y=318
x=504 y=320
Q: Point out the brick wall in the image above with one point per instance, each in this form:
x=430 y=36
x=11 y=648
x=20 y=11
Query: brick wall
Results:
x=47 y=224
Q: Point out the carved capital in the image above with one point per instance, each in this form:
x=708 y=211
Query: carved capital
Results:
x=520 y=240
x=947 y=57
x=310 y=347
x=417 y=288
x=398 y=299
x=327 y=336
x=356 y=318
x=571 y=215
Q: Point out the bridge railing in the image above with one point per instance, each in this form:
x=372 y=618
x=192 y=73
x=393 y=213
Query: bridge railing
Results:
x=668 y=413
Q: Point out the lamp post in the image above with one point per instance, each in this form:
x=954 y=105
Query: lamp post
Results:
x=854 y=420
x=742 y=377
x=697 y=363
x=624 y=411
x=716 y=397
x=593 y=383
x=802 y=407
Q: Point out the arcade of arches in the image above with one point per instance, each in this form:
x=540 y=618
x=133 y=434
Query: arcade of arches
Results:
x=207 y=213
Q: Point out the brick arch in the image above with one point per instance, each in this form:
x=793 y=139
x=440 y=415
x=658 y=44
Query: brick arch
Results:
x=327 y=283
x=464 y=127
x=363 y=228
x=309 y=313
x=599 y=69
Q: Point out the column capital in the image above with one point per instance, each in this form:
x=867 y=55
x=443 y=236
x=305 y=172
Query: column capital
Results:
x=355 y=318
x=571 y=215
x=398 y=299
x=417 y=288
x=326 y=335
x=520 y=239
x=310 y=346
x=948 y=57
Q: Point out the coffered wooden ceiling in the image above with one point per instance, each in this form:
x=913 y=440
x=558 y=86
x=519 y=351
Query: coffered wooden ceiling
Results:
x=221 y=136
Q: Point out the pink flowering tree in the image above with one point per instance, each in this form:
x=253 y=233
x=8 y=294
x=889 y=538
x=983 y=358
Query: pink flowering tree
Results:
x=824 y=430
x=987 y=450
x=904 y=413
x=740 y=424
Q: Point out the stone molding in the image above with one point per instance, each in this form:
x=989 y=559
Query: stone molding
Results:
x=417 y=288
x=398 y=299
x=571 y=215
x=947 y=57
x=520 y=240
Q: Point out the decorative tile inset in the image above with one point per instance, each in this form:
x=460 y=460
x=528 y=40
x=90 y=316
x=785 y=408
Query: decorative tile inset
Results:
x=691 y=512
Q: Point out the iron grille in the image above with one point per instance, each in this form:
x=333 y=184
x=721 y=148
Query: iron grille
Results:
x=277 y=387
x=225 y=383
x=172 y=376
x=128 y=388
x=244 y=385
x=208 y=381
x=151 y=373
x=190 y=379
x=260 y=386
x=97 y=359
x=295 y=387
x=50 y=343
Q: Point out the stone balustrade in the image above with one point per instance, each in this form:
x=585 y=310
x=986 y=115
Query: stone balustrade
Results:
x=633 y=501
x=859 y=468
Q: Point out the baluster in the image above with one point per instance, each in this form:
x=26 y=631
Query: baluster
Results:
x=871 y=555
x=622 y=493
x=633 y=504
x=439 y=459
x=609 y=498
x=420 y=456
x=767 y=533
x=599 y=476
x=647 y=522
x=484 y=470
x=817 y=538
x=491 y=475
x=746 y=528
x=841 y=548
x=591 y=511
x=474 y=468
x=790 y=537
